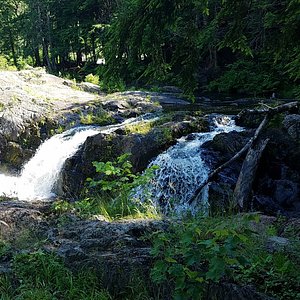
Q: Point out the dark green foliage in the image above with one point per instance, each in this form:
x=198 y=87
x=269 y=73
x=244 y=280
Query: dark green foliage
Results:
x=246 y=47
x=250 y=77
x=197 y=253
x=252 y=45
x=113 y=194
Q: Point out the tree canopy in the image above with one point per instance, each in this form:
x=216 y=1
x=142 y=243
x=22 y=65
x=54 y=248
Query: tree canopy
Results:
x=225 y=46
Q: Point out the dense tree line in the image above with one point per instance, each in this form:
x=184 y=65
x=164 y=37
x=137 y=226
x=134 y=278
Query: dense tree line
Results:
x=250 y=47
x=58 y=34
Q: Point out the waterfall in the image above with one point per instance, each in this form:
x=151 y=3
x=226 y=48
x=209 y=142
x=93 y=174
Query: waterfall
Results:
x=182 y=169
x=39 y=176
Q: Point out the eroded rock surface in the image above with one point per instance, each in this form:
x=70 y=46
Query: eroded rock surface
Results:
x=34 y=105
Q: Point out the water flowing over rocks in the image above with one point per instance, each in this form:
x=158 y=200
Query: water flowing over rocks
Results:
x=34 y=105
x=107 y=147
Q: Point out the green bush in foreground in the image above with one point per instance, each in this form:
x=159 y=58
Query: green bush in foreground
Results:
x=198 y=253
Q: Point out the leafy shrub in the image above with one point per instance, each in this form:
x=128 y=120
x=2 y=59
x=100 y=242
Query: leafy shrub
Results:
x=5 y=64
x=195 y=253
x=115 y=190
x=275 y=274
x=113 y=195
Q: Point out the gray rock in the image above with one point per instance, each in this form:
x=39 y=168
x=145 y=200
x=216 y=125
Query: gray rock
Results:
x=292 y=124
x=277 y=243
x=286 y=192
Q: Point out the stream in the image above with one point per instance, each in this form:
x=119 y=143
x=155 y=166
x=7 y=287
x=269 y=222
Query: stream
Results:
x=181 y=168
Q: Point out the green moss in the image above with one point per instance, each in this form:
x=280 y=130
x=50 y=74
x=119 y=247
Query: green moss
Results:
x=141 y=128
x=98 y=117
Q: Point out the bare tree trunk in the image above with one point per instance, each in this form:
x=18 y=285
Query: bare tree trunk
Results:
x=12 y=46
x=246 y=177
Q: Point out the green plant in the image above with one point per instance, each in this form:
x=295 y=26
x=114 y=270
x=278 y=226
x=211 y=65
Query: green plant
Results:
x=195 y=253
x=141 y=128
x=92 y=79
x=42 y=275
x=114 y=194
x=5 y=64
x=100 y=117
x=4 y=247
x=275 y=274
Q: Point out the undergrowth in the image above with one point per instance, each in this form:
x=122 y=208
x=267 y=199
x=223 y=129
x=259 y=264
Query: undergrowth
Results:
x=43 y=276
x=195 y=254
x=113 y=193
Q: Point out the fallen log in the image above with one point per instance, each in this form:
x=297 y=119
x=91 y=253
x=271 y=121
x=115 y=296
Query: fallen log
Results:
x=269 y=113
x=269 y=110
x=246 y=177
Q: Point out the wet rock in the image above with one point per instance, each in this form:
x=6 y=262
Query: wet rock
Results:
x=276 y=187
x=227 y=144
x=249 y=120
x=13 y=154
x=286 y=192
x=107 y=147
x=292 y=124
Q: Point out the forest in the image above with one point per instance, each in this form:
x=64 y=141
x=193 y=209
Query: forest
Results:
x=233 y=48
x=149 y=149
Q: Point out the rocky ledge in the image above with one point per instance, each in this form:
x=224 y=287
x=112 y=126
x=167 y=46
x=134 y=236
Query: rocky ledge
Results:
x=34 y=105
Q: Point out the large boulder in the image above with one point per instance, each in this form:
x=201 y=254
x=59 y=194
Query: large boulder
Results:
x=292 y=124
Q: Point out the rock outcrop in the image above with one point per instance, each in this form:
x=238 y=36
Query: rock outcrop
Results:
x=35 y=105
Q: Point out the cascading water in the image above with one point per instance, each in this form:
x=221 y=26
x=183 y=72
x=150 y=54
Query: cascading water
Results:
x=181 y=170
x=39 y=176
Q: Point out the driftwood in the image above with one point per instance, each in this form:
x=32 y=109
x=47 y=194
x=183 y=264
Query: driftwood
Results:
x=269 y=113
x=246 y=177
x=269 y=110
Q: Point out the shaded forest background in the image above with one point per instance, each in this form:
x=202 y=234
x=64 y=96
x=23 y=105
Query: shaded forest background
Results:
x=231 y=47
